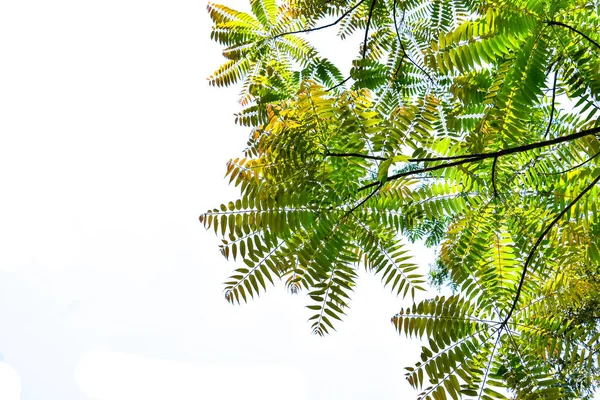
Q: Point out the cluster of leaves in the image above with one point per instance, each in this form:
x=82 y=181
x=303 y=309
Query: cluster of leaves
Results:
x=470 y=124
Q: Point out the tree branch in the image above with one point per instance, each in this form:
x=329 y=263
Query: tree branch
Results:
x=494 y=176
x=363 y=201
x=418 y=171
x=517 y=149
x=365 y=42
x=589 y=39
x=553 y=108
x=404 y=53
x=539 y=241
x=367 y=29
x=328 y=154
x=338 y=85
x=308 y=30
x=467 y=158
x=572 y=168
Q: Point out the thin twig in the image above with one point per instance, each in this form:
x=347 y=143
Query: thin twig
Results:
x=328 y=154
x=589 y=39
x=338 y=85
x=553 y=108
x=366 y=36
x=404 y=53
x=436 y=317
x=517 y=350
x=367 y=29
x=494 y=176
x=308 y=30
x=431 y=389
x=572 y=168
x=363 y=201
x=539 y=241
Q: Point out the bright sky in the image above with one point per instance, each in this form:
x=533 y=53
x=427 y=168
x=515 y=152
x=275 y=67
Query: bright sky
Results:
x=111 y=145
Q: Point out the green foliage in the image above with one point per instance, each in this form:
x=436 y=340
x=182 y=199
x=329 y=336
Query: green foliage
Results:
x=471 y=125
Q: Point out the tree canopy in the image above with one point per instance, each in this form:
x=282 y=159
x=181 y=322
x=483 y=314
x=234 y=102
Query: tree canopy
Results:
x=472 y=125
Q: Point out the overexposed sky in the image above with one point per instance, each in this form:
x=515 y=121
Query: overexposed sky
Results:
x=111 y=145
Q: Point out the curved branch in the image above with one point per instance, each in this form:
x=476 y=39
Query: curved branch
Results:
x=337 y=21
x=355 y=155
x=539 y=241
x=404 y=53
x=589 y=39
x=308 y=30
x=363 y=201
x=338 y=85
x=573 y=168
x=494 y=176
x=367 y=29
x=553 y=108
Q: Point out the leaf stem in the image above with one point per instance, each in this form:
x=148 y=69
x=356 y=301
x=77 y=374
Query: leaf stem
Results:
x=363 y=201
x=487 y=370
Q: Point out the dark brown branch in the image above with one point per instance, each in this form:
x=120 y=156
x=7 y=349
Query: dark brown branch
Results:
x=308 y=30
x=367 y=29
x=338 y=85
x=467 y=158
x=553 y=108
x=404 y=53
x=363 y=201
x=494 y=176
x=418 y=171
x=517 y=149
x=572 y=168
x=328 y=154
x=539 y=241
x=589 y=39
x=335 y=23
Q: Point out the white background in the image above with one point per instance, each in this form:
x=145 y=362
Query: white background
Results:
x=111 y=146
